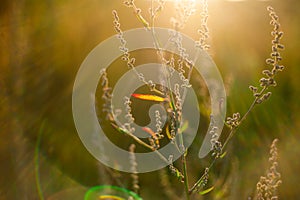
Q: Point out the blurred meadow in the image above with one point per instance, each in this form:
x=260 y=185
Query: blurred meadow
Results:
x=42 y=45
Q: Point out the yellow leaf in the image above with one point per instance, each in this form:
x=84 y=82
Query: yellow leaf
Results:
x=144 y=22
x=104 y=197
x=168 y=133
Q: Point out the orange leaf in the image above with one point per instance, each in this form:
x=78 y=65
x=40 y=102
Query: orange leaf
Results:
x=149 y=97
x=149 y=130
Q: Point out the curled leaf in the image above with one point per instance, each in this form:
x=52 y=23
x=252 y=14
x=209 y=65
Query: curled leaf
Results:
x=168 y=133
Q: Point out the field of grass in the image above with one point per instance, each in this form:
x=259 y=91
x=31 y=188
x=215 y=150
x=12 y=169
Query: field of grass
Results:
x=42 y=45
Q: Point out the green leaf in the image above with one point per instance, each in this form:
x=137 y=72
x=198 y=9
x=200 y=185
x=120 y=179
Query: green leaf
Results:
x=184 y=126
x=144 y=21
x=119 y=129
x=223 y=154
x=203 y=192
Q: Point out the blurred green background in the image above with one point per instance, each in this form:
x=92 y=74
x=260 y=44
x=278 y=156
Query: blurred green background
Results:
x=42 y=45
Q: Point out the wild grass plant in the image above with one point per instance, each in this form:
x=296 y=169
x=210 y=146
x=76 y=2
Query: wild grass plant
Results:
x=267 y=185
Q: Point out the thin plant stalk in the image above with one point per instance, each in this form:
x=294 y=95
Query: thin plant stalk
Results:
x=185 y=174
x=231 y=133
x=183 y=157
x=265 y=83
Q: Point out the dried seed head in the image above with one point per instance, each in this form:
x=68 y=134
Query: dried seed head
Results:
x=268 y=184
x=270 y=61
x=280 y=46
x=267 y=73
x=258 y=101
x=266 y=96
x=252 y=88
x=279 y=67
